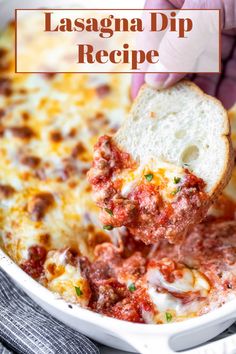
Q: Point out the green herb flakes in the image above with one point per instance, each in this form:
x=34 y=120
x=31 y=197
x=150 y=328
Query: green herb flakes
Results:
x=149 y=177
x=132 y=287
x=177 y=180
x=185 y=165
x=109 y=211
x=177 y=190
x=108 y=227
x=168 y=317
x=78 y=291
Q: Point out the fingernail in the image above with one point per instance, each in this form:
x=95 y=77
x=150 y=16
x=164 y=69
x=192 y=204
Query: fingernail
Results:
x=157 y=80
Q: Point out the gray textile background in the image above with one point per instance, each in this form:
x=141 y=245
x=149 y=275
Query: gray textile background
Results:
x=27 y=329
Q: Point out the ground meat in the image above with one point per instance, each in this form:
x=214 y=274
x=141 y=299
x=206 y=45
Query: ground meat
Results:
x=25 y=116
x=103 y=90
x=23 y=132
x=30 y=161
x=78 y=150
x=45 y=239
x=36 y=258
x=39 y=204
x=2 y=113
x=56 y=136
x=5 y=86
x=49 y=75
x=134 y=307
x=143 y=210
x=169 y=269
x=126 y=310
x=108 y=276
x=69 y=169
x=6 y=191
x=210 y=248
x=119 y=281
x=3 y=52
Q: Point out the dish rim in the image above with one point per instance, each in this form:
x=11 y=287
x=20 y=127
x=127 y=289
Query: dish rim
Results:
x=29 y=285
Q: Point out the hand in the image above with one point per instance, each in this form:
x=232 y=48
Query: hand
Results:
x=222 y=86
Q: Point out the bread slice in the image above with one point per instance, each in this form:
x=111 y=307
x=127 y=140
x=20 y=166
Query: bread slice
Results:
x=181 y=125
x=172 y=157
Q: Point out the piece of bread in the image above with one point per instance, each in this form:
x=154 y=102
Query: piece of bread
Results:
x=181 y=125
x=172 y=157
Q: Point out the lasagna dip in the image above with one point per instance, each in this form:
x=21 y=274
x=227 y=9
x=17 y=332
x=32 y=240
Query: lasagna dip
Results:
x=49 y=223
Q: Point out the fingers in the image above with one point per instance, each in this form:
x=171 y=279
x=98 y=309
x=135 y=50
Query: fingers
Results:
x=177 y=54
x=158 y=4
x=161 y=81
x=227 y=7
x=224 y=87
x=227 y=92
x=138 y=79
x=177 y=3
x=227 y=88
x=208 y=83
x=227 y=46
x=229 y=10
x=136 y=83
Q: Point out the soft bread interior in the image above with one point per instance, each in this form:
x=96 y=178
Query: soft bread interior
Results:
x=180 y=125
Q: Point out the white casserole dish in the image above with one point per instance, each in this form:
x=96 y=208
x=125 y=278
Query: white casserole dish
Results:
x=147 y=339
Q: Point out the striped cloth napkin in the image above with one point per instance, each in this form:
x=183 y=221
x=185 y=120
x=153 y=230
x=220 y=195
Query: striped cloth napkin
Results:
x=25 y=328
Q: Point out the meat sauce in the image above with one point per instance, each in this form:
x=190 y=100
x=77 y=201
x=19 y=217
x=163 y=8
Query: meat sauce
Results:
x=36 y=258
x=143 y=210
x=196 y=275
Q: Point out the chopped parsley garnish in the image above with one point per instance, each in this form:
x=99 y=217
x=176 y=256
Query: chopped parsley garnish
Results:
x=177 y=190
x=78 y=291
x=108 y=227
x=132 y=287
x=149 y=177
x=109 y=211
x=168 y=317
x=177 y=180
x=186 y=165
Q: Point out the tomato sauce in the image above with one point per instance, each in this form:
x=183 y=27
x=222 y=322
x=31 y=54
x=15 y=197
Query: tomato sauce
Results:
x=143 y=210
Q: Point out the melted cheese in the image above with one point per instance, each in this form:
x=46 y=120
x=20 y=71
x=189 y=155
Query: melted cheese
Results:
x=190 y=281
x=164 y=175
x=64 y=103
x=64 y=278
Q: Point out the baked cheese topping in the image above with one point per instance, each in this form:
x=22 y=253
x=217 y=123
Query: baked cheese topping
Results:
x=48 y=126
x=66 y=278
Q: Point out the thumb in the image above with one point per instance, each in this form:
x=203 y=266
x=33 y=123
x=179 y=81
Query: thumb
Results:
x=194 y=53
x=226 y=7
x=162 y=80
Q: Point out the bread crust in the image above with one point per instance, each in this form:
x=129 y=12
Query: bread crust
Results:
x=226 y=136
x=223 y=180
